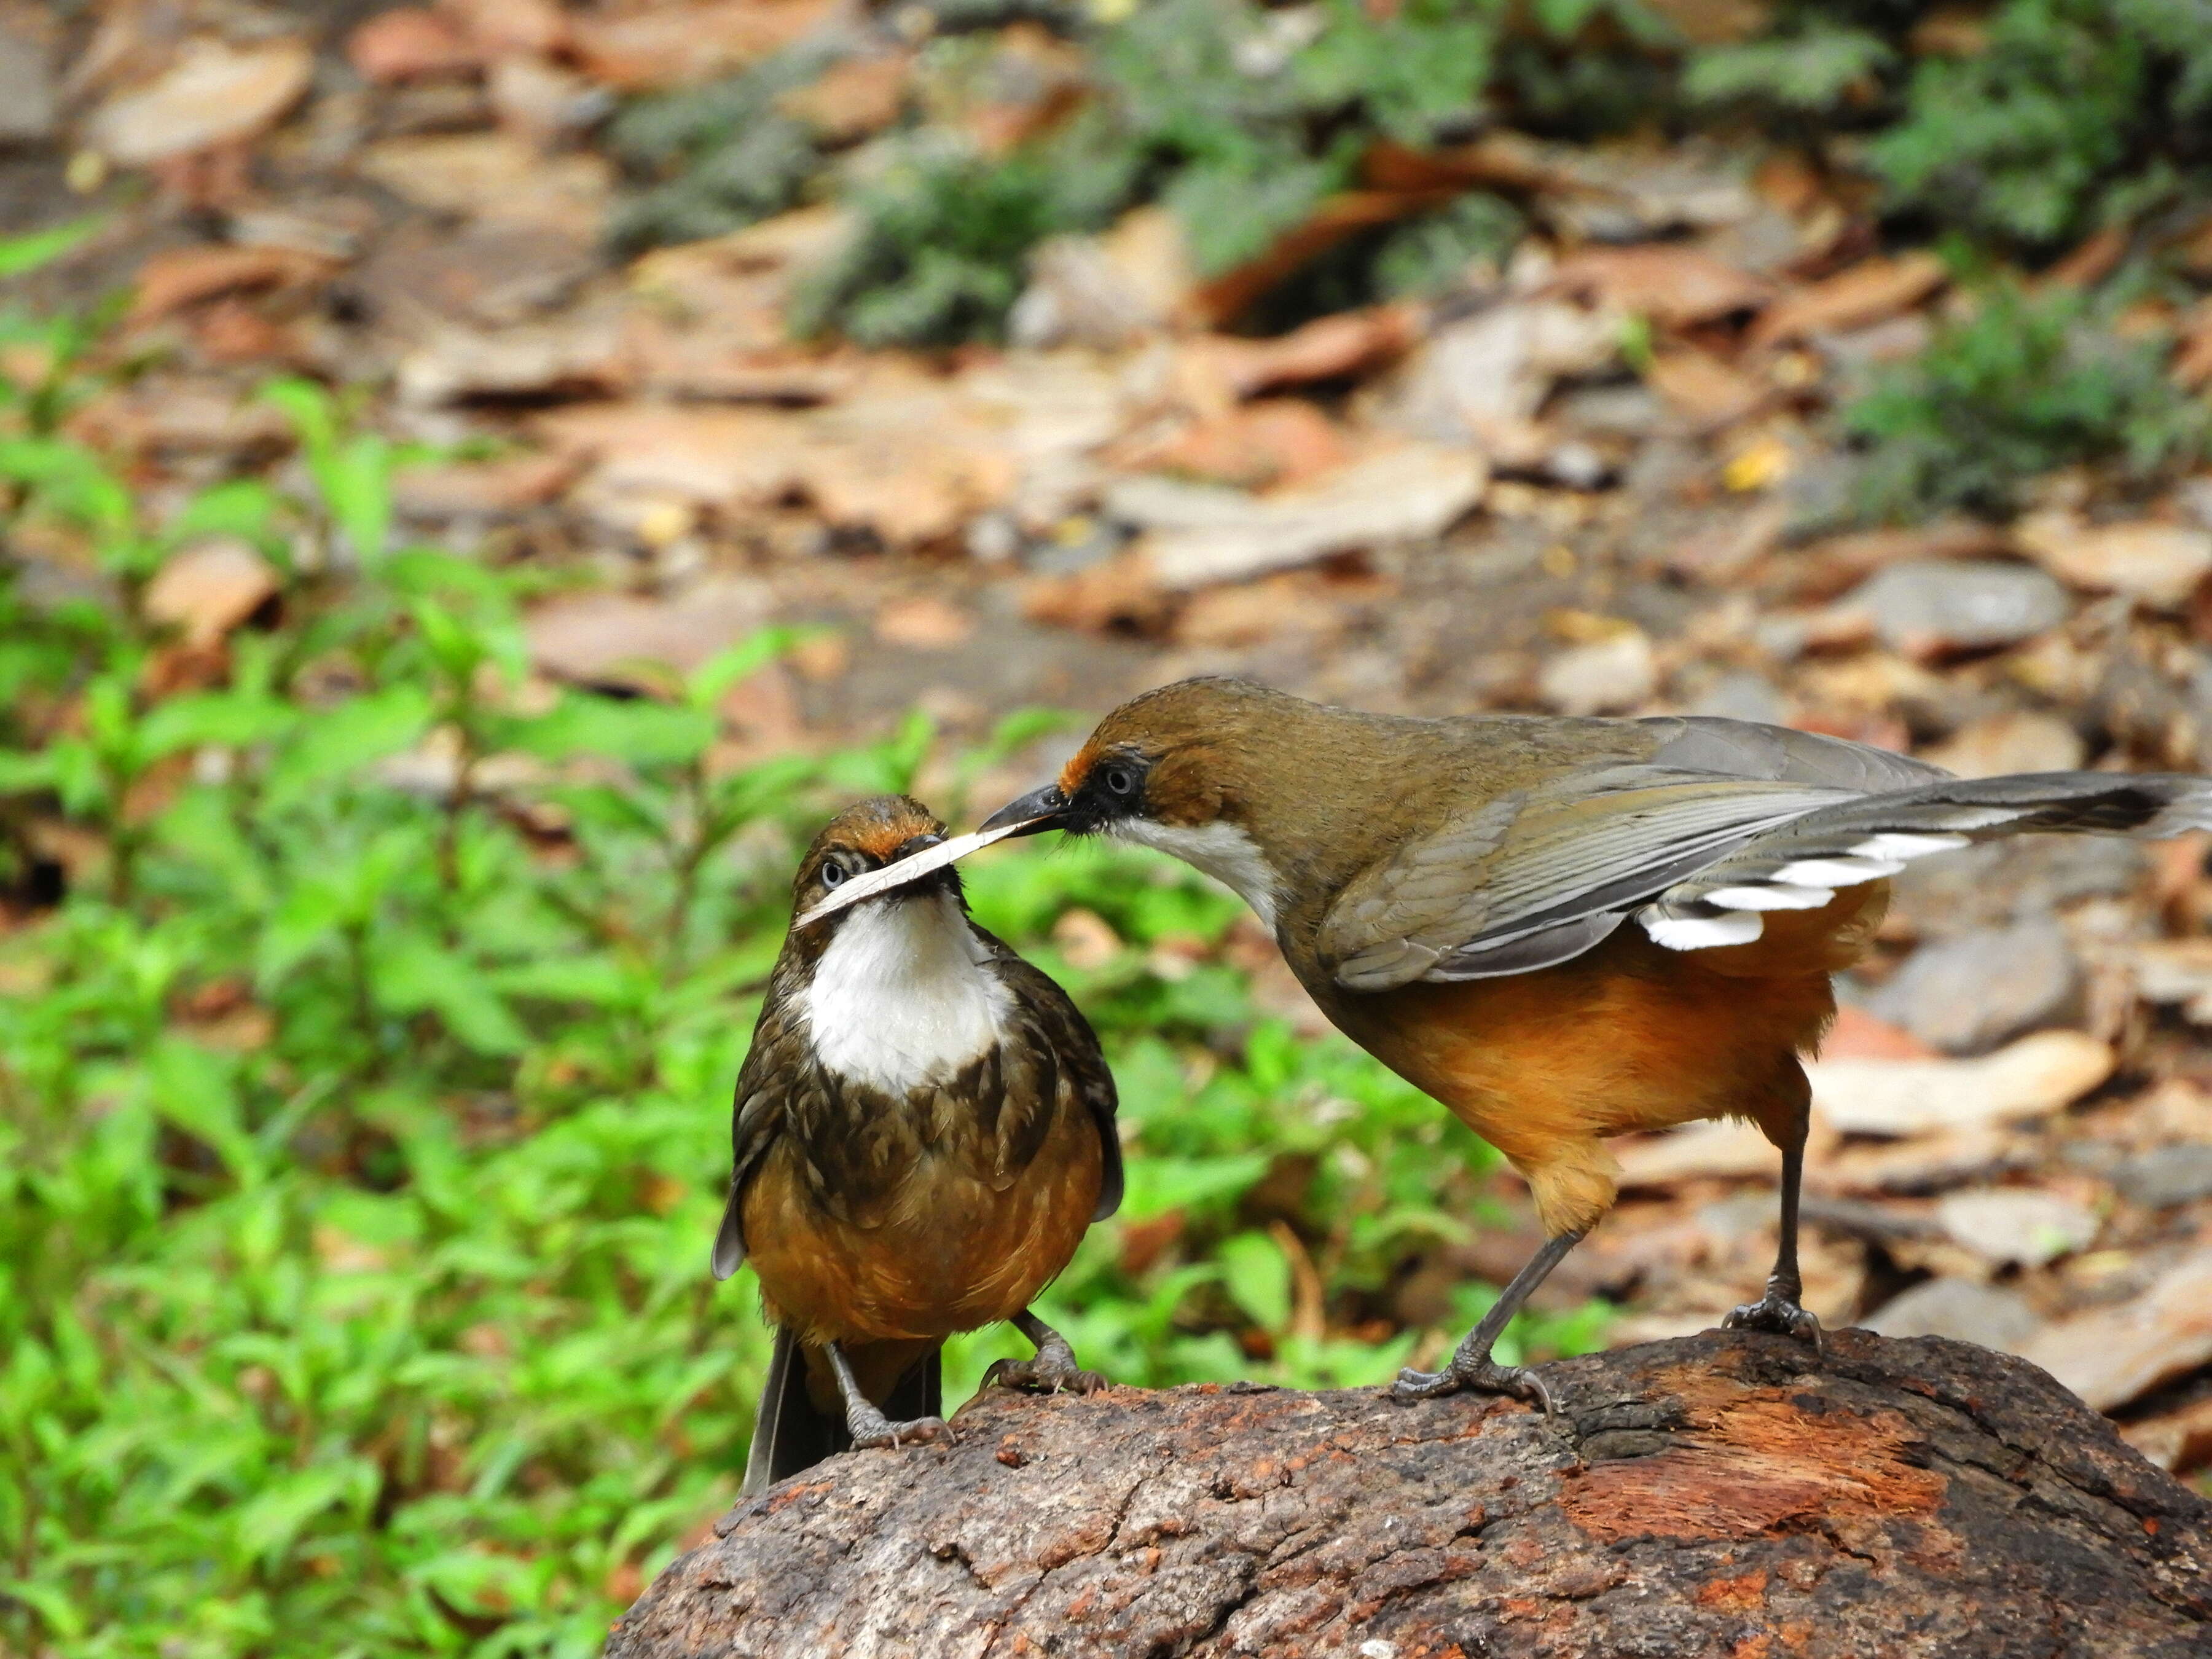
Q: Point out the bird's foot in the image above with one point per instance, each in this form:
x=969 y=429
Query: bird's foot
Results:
x=871 y=1431
x=1052 y=1372
x=1779 y=1314
x=1480 y=1375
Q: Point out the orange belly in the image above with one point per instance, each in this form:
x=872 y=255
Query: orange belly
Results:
x=951 y=1253
x=1628 y=1036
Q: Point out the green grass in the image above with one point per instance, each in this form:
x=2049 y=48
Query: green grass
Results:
x=361 y=1137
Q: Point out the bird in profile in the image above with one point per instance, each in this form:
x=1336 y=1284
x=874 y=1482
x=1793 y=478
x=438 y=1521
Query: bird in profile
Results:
x=924 y=1129
x=1562 y=929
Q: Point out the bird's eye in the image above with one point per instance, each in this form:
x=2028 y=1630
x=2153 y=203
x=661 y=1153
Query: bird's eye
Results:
x=1119 y=781
x=833 y=873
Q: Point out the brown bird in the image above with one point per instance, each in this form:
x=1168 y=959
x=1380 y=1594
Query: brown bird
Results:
x=1562 y=929
x=924 y=1129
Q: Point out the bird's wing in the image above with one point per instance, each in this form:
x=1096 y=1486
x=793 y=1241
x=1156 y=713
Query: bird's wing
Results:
x=1538 y=876
x=779 y=1066
x=1723 y=820
x=1050 y=1029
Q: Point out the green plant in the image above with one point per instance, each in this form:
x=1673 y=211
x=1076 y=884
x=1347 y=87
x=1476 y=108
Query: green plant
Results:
x=364 y=1105
x=2028 y=382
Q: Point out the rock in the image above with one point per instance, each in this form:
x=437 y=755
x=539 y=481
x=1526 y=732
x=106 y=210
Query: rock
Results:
x=2114 y=1355
x=1961 y=1309
x=1726 y=1494
x=1931 y=607
x=2016 y=1224
x=2033 y=1078
x=2160 y=564
x=208 y=588
x=2017 y=740
x=1196 y=534
x=30 y=106
x=1969 y=993
x=1993 y=882
x=2166 y=1175
x=1606 y=677
x=1866 y=293
x=213 y=93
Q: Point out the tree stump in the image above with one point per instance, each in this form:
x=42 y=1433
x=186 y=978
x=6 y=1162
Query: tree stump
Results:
x=1731 y=1495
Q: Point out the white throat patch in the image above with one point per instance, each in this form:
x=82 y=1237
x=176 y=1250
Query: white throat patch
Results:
x=1222 y=850
x=902 y=998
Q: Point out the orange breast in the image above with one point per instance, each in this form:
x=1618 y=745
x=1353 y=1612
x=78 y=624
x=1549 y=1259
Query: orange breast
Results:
x=1629 y=1036
x=952 y=1254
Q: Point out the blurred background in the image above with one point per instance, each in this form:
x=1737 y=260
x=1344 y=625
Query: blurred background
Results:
x=482 y=482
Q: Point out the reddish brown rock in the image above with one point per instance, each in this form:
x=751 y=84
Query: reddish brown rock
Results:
x=1726 y=1495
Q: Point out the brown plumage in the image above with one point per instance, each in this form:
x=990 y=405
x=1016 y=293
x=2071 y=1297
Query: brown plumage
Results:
x=1562 y=929
x=923 y=1129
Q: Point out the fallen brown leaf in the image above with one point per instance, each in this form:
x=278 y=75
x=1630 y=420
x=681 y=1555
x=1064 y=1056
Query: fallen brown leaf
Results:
x=2114 y=1355
x=674 y=46
x=209 y=588
x=177 y=278
x=1866 y=293
x=610 y=638
x=1276 y=441
x=1671 y=284
x=924 y=623
x=1702 y=387
x=213 y=93
x=858 y=97
x=408 y=43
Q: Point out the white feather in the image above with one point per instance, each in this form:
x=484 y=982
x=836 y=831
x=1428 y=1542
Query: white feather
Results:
x=1848 y=872
x=1700 y=932
x=1221 y=850
x=902 y=998
x=1897 y=844
x=1769 y=898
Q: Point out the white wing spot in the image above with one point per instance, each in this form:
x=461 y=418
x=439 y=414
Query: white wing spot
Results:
x=1846 y=871
x=1769 y=898
x=1701 y=933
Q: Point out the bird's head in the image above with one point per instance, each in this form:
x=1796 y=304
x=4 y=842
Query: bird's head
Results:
x=1198 y=769
x=868 y=835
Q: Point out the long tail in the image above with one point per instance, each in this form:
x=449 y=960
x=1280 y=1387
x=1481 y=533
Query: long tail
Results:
x=1800 y=865
x=791 y=1433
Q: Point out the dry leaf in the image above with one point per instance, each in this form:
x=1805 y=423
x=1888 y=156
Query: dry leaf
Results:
x=2160 y=564
x=672 y=45
x=209 y=588
x=1866 y=293
x=177 y=278
x=2029 y=1079
x=1669 y=283
x=2114 y=1355
x=213 y=93
x=407 y=43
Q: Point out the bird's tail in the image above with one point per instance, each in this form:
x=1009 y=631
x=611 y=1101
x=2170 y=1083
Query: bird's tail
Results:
x=1800 y=865
x=792 y=1433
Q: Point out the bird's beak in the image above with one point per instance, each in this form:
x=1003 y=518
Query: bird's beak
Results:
x=1041 y=809
x=921 y=857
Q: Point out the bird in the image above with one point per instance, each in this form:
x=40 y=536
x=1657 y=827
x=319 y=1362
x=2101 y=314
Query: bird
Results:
x=923 y=1130
x=1564 y=929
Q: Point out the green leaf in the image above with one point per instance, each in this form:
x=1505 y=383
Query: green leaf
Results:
x=337 y=741
x=414 y=973
x=637 y=733
x=21 y=254
x=1257 y=1276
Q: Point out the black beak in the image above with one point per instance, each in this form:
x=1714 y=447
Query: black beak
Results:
x=1047 y=805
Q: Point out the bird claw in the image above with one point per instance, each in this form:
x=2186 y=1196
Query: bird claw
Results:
x=1479 y=1376
x=1046 y=1374
x=883 y=1435
x=1779 y=1314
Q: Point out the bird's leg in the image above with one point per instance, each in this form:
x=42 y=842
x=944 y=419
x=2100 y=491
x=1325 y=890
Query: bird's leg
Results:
x=1052 y=1372
x=1779 y=1311
x=1471 y=1365
x=868 y=1427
